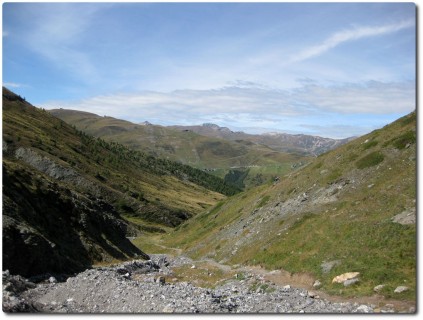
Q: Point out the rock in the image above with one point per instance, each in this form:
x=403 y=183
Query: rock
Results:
x=317 y=284
x=52 y=280
x=378 y=288
x=168 y=309
x=193 y=267
x=406 y=217
x=345 y=276
x=364 y=309
x=327 y=266
x=160 y=279
x=287 y=286
x=311 y=294
x=400 y=289
x=350 y=282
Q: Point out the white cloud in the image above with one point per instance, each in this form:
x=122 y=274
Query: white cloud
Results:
x=12 y=85
x=254 y=107
x=371 y=98
x=349 y=35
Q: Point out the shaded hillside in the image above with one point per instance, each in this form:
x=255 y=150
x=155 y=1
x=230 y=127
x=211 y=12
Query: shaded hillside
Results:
x=256 y=162
x=352 y=209
x=281 y=142
x=64 y=193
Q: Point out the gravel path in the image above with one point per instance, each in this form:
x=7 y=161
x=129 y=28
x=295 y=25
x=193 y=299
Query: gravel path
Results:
x=143 y=287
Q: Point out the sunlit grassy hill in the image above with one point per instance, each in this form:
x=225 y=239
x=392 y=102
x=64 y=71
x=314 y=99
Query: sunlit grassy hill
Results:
x=353 y=207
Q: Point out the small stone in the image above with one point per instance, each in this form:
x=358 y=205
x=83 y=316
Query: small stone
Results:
x=378 y=288
x=168 y=309
x=364 y=309
x=400 y=289
x=287 y=286
x=317 y=284
x=160 y=280
x=193 y=267
x=350 y=282
x=311 y=294
x=52 y=280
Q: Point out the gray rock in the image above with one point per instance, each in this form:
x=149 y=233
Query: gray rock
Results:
x=350 y=282
x=406 y=217
x=378 y=288
x=52 y=280
x=400 y=289
x=317 y=284
x=328 y=265
x=364 y=309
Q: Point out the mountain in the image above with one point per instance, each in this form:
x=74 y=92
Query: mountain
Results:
x=282 y=142
x=67 y=196
x=241 y=162
x=352 y=209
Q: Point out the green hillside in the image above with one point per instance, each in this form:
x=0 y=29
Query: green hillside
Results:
x=353 y=208
x=256 y=163
x=65 y=190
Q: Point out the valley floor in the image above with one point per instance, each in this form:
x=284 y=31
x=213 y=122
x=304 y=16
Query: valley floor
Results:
x=177 y=284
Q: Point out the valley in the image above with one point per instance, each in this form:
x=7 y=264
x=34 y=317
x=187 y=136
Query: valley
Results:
x=240 y=159
x=242 y=226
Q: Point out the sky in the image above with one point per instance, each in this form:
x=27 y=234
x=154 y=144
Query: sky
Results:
x=329 y=69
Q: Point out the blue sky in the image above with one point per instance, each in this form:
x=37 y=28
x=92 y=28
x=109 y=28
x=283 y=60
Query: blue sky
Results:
x=328 y=69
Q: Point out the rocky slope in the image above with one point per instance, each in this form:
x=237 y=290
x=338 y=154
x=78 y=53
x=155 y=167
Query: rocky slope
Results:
x=64 y=194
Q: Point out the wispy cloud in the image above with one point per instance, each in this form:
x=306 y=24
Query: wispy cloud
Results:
x=251 y=106
x=13 y=85
x=350 y=35
x=57 y=33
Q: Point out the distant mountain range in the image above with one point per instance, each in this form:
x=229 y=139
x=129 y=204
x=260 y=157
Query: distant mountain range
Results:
x=283 y=142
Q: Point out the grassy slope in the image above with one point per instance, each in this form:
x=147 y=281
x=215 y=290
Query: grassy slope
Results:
x=157 y=192
x=186 y=147
x=339 y=207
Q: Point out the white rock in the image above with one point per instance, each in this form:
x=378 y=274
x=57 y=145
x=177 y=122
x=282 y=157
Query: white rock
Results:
x=378 y=287
x=345 y=276
x=400 y=289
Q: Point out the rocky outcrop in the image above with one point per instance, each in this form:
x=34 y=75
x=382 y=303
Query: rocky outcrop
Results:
x=48 y=228
x=55 y=170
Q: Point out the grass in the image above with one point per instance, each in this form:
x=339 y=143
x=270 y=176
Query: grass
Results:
x=370 y=160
